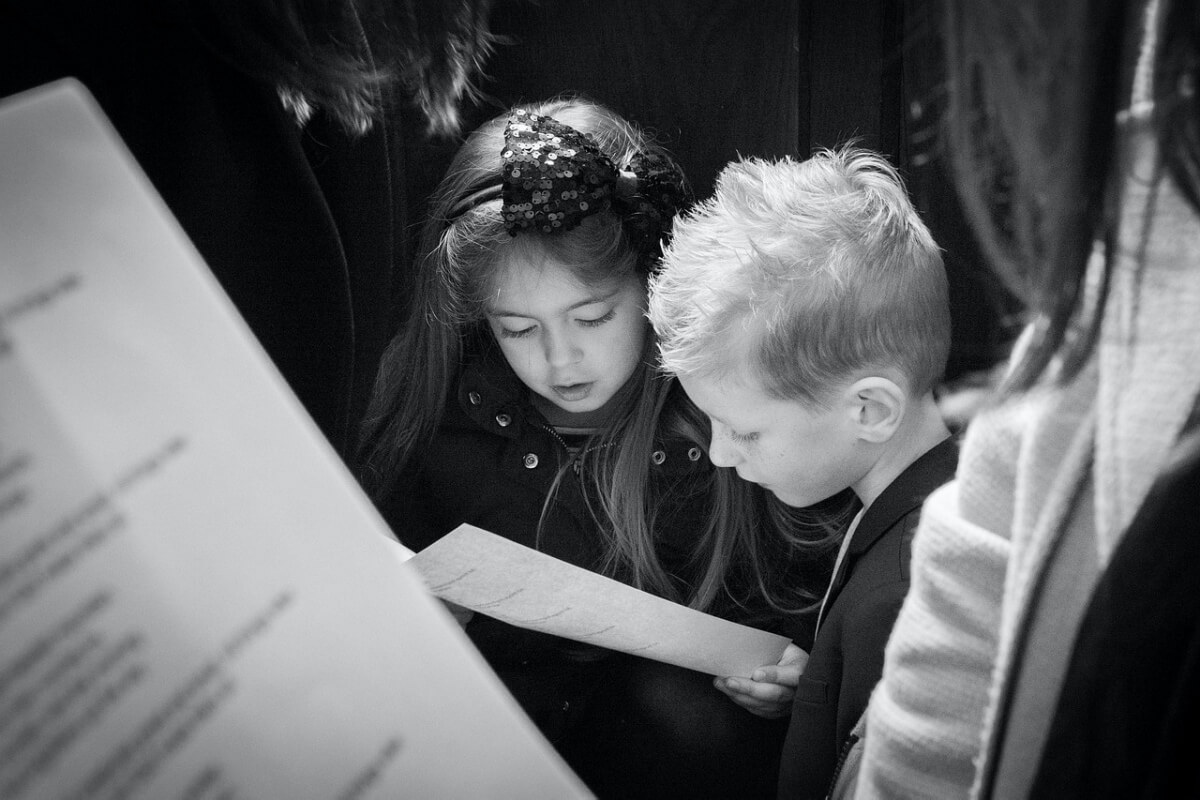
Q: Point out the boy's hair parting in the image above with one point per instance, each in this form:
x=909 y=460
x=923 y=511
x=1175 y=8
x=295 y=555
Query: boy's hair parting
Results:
x=805 y=274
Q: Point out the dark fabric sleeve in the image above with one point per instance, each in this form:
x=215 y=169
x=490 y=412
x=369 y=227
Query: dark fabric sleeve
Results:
x=1125 y=724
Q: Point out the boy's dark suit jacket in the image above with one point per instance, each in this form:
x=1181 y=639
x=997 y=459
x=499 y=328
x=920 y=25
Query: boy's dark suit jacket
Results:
x=847 y=657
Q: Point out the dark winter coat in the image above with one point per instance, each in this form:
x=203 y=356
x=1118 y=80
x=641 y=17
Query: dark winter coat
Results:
x=493 y=463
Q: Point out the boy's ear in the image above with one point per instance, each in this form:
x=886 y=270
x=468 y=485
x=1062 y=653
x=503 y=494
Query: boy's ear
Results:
x=878 y=405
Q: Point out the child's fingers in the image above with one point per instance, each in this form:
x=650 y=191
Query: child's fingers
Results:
x=794 y=657
x=785 y=674
x=765 y=700
x=756 y=691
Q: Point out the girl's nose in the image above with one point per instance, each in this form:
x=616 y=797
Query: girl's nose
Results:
x=561 y=350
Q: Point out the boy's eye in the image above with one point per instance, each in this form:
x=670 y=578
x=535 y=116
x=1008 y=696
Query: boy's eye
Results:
x=508 y=333
x=742 y=438
x=592 y=323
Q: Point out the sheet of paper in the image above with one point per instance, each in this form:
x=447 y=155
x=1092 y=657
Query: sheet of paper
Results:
x=195 y=599
x=518 y=585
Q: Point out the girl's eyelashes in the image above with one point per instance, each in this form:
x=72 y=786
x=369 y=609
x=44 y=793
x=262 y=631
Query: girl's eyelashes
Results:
x=592 y=323
x=511 y=334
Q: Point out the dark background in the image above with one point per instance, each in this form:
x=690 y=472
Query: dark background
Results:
x=719 y=79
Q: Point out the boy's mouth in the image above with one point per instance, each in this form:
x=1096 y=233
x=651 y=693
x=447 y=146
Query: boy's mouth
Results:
x=573 y=392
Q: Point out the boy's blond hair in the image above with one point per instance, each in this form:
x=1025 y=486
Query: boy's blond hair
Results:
x=807 y=273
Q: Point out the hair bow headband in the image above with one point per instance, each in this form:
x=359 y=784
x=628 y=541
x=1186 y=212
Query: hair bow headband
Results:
x=554 y=176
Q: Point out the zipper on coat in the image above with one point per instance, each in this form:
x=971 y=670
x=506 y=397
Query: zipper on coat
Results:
x=847 y=746
x=577 y=459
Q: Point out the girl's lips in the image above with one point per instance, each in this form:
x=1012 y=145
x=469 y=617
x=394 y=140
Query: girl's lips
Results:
x=574 y=392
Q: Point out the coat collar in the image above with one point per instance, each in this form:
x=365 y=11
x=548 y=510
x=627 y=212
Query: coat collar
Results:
x=906 y=493
x=492 y=396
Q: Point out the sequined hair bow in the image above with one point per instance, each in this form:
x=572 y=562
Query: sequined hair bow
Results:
x=554 y=176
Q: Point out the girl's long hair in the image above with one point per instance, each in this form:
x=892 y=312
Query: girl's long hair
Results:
x=462 y=245
x=1034 y=92
x=459 y=252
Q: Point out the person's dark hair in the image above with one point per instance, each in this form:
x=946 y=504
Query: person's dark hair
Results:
x=1032 y=126
x=354 y=58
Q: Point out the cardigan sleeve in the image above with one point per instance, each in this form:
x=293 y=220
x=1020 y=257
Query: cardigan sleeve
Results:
x=925 y=715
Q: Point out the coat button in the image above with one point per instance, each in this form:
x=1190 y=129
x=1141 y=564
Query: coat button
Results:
x=694 y=454
x=503 y=420
x=530 y=461
x=658 y=457
x=474 y=398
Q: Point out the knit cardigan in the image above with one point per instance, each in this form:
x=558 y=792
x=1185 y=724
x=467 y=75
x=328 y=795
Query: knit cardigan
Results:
x=1059 y=470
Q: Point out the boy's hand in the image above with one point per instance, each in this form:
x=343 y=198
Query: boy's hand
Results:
x=768 y=692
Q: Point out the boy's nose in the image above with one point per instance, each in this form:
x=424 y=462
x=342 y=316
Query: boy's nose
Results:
x=721 y=452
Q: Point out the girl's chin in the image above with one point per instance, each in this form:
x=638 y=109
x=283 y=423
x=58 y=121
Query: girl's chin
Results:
x=589 y=412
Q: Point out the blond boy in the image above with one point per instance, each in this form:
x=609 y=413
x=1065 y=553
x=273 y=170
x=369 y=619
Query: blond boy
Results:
x=804 y=309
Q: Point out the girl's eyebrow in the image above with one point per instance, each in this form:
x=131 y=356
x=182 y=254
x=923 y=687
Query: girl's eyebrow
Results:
x=585 y=302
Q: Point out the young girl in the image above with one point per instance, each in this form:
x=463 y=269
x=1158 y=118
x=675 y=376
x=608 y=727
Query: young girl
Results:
x=523 y=399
